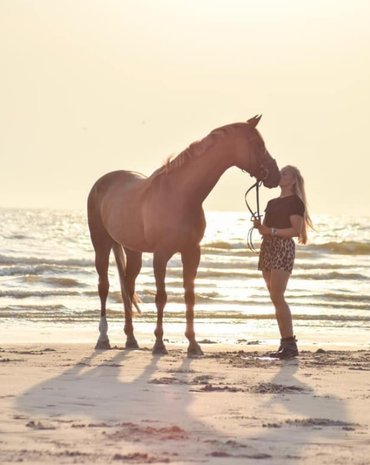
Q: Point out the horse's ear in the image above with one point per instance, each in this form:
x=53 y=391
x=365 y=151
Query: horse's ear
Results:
x=254 y=121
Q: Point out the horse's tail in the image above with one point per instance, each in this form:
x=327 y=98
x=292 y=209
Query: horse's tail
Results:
x=135 y=302
x=121 y=262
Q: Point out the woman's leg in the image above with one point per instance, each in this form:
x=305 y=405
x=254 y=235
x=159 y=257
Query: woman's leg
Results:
x=267 y=276
x=278 y=281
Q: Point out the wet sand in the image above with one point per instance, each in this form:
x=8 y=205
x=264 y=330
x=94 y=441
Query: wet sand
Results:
x=67 y=403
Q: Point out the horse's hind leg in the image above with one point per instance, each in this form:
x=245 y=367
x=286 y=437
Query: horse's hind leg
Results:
x=190 y=260
x=102 y=243
x=129 y=265
x=102 y=253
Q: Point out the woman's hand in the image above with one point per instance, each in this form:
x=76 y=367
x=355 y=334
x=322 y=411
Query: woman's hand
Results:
x=262 y=229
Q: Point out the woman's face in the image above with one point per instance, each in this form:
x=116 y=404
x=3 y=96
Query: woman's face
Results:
x=287 y=177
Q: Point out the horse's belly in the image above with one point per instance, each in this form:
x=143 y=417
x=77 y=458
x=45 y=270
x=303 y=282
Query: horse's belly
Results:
x=137 y=244
x=128 y=232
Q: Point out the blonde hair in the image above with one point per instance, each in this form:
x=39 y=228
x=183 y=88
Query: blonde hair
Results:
x=299 y=189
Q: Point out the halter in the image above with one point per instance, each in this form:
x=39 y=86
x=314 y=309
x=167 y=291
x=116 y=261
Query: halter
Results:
x=255 y=214
x=260 y=173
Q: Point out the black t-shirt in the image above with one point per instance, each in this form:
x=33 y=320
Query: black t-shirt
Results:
x=278 y=211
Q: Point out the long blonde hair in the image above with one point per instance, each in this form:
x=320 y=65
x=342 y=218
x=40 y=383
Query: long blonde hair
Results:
x=299 y=189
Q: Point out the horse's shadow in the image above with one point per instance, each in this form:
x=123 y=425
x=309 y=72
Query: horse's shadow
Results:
x=99 y=388
x=109 y=390
x=111 y=393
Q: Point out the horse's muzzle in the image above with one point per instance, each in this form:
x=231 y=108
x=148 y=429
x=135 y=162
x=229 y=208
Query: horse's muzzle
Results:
x=270 y=176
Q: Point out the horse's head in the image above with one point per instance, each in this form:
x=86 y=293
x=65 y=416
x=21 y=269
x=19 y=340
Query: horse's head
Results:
x=260 y=163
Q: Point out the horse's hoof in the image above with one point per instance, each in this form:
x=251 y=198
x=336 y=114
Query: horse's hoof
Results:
x=102 y=345
x=131 y=344
x=159 y=349
x=194 y=350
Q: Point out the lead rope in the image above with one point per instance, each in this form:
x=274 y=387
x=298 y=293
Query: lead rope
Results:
x=255 y=215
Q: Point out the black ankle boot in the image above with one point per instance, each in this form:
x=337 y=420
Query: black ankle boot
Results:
x=274 y=354
x=288 y=348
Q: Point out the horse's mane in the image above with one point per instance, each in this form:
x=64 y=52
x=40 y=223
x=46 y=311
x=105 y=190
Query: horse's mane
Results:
x=196 y=149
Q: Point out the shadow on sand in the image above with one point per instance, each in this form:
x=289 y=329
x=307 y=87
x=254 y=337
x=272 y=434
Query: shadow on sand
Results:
x=143 y=409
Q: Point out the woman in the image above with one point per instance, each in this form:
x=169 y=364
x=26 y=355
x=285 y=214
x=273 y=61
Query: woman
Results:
x=285 y=217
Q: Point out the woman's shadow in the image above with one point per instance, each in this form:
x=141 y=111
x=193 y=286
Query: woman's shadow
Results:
x=300 y=419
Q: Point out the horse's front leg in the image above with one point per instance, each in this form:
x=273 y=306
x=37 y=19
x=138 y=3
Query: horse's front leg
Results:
x=159 y=264
x=190 y=260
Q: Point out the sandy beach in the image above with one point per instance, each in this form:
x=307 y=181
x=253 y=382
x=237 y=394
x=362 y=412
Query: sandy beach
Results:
x=67 y=403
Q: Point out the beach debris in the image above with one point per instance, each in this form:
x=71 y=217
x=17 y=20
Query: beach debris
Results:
x=271 y=388
x=136 y=432
x=322 y=422
x=218 y=388
x=136 y=457
x=271 y=425
x=167 y=380
x=201 y=379
x=38 y=425
x=257 y=456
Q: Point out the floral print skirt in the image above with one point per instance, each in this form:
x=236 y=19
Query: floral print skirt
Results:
x=276 y=254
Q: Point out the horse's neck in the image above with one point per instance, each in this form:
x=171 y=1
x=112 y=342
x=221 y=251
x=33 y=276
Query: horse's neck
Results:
x=197 y=178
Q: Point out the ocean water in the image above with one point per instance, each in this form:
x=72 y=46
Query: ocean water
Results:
x=48 y=283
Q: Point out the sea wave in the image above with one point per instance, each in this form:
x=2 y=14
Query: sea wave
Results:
x=224 y=247
x=342 y=248
x=57 y=314
x=331 y=276
x=220 y=245
x=23 y=294
x=6 y=260
x=209 y=298
x=342 y=296
x=64 y=276
x=53 y=281
x=237 y=248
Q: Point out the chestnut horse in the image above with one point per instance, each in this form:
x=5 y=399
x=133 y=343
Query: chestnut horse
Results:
x=131 y=213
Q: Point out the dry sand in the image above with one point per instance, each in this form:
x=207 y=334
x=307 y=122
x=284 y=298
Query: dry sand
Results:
x=63 y=404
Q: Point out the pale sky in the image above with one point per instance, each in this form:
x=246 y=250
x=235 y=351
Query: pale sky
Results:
x=91 y=86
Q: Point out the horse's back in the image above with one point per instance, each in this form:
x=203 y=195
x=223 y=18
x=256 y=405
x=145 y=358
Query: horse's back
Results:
x=112 y=187
x=113 y=180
